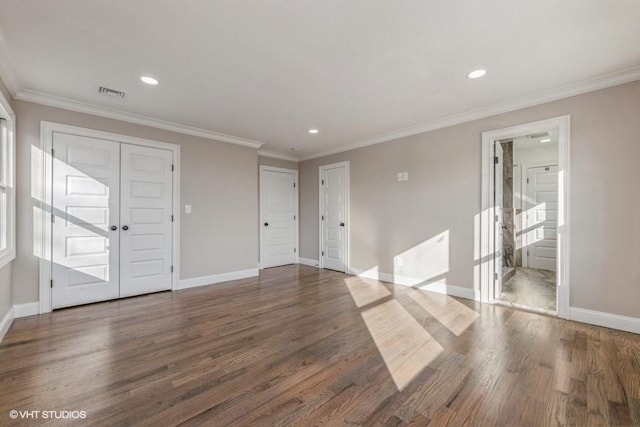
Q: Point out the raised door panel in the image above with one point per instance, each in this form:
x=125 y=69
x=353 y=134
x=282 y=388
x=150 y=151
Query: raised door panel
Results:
x=147 y=209
x=85 y=200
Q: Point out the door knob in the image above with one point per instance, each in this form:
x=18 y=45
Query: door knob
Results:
x=114 y=228
x=125 y=227
x=342 y=224
x=266 y=224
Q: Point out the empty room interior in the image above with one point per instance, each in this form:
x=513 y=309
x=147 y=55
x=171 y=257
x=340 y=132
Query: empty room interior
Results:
x=320 y=213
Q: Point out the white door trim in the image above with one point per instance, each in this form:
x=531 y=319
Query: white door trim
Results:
x=487 y=244
x=294 y=172
x=42 y=184
x=347 y=180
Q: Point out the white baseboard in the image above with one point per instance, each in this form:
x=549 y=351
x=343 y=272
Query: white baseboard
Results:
x=6 y=322
x=309 y=262
x=439 y=287
x=608 y=320
x=217 y=278
x=27 y=309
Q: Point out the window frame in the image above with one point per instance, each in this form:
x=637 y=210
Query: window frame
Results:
x=7 y=182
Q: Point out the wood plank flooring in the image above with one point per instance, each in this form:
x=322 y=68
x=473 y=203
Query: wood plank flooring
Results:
x=301 y=346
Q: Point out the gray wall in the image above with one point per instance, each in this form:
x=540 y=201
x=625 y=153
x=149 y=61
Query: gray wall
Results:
x=6 y=297
x=443 y=194
x=219 y=180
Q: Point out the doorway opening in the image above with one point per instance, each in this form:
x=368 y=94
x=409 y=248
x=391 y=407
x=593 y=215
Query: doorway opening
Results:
x=526 y=197
x=525 y=217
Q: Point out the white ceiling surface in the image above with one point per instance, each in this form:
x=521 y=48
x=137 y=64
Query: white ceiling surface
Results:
x=270 y=70
x=534 y=144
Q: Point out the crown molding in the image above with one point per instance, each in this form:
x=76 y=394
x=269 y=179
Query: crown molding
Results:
x=7 y=77
x=110 y=113
x=6 y=106
x=275 y=155
x=6 y=72
x=585 y=86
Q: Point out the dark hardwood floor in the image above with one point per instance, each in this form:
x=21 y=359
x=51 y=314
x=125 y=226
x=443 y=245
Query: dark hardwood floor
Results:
x=302 y=346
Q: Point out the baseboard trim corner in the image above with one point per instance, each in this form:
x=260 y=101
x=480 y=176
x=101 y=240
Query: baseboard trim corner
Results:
x=608 y=320
x=26 y=309
x=438 y=286
x=6 y=322
x=194 y=282
x=308 y=261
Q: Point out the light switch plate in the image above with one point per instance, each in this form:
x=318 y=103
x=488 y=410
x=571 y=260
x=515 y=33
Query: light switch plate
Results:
x=187 y=209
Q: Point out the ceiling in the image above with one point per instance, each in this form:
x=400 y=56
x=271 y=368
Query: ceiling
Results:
x=534 y=141
x=269 y=70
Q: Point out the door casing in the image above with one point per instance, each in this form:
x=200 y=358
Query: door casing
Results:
x=294 y=172
x=347 y=184
x=485 y=268
x=42 y=162
x=497 y=225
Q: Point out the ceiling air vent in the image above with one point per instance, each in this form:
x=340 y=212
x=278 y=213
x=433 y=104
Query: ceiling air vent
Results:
x=111 y=92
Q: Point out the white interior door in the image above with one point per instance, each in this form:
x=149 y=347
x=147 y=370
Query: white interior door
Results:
x=146 y=218
x=499 y=206
x=542 y=217
x=85 y=202
x=333 y=215
x=278 y=217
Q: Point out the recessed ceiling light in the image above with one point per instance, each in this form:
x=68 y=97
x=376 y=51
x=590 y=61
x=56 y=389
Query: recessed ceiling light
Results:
x=542 y=141
x=314 y=131
x=149 y=80
x=476 y=74
x=294 y=149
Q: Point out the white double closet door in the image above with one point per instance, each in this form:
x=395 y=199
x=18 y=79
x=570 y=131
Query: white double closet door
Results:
x=112 y=220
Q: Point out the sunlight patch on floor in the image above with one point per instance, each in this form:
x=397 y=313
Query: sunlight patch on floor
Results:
x=403 y=344
x=365 y=292
x=454 y=315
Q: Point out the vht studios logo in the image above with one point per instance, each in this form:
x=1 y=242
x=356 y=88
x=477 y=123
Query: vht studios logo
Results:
x=48 y=415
